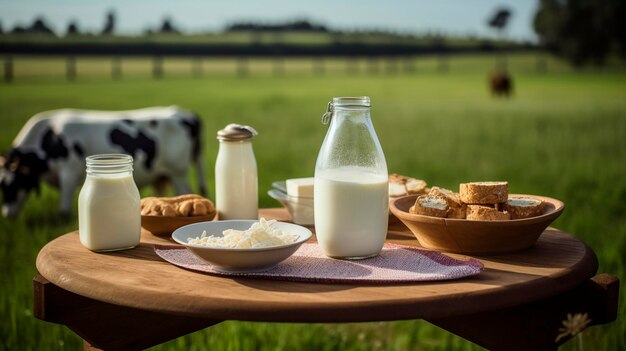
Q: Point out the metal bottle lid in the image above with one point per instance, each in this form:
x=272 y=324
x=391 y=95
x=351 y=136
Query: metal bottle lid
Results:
x=236 y=132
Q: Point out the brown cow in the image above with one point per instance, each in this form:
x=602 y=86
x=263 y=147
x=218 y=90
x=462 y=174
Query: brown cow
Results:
x=501 y=84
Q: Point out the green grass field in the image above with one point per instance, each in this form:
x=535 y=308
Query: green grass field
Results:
x=562 y=135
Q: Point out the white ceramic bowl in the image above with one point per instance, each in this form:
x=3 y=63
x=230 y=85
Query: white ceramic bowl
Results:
x=300 y=208
x=239 y=260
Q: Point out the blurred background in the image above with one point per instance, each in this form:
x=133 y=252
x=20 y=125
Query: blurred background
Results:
x=533 y=92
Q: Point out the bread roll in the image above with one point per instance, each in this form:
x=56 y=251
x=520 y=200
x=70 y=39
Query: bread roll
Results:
x=428 y=205
x=484 y=192
x=185 y=208
x=179 y=206
x=485 y=213
x=524 y=207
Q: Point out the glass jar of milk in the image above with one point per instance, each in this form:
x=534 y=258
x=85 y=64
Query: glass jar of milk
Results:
x=236 y=179
x=109 y=211
x=351 y=199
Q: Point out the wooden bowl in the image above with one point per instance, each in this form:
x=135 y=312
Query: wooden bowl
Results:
x=392 y=217
x=476 y=237
x=164 y=226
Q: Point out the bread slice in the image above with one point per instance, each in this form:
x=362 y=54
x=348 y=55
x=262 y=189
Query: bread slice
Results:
x=397 y=185
x=397 y=178
x=486 y=213
x=428 y=205
x=457 y=208
x=484 y=192
x=451 y=197
x=458 y=212
x=415 y=186
x=524 y=207
x=400 y=185
x=396 y=189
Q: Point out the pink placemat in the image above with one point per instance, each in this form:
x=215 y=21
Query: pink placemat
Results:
x=395 y=264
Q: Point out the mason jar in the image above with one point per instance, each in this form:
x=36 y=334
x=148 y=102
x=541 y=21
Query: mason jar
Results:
x=109 y=210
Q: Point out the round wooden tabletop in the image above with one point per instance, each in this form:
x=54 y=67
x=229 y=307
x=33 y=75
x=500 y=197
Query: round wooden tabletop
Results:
x=138 y=278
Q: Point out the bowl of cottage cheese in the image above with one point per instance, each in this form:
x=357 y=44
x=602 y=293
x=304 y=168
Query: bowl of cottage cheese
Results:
x=241 y=246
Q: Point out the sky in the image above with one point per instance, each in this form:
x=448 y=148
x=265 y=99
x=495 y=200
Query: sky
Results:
x=451 y=17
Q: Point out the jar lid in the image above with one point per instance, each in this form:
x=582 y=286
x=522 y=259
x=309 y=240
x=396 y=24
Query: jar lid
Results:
x=236 y=132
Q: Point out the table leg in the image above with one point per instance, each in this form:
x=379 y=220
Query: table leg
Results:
x=107 y=326
x=535 y=326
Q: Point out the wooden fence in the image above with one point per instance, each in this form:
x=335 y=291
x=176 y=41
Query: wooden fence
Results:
x=241 y=66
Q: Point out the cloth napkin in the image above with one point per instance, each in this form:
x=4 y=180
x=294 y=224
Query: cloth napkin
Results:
x=395 y=264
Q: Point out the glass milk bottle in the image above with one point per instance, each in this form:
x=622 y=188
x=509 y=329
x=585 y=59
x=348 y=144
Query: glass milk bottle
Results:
x=236 y=181
x=109 y=212
x=351 y=199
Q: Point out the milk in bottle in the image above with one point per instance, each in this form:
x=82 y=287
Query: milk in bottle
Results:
x=351 y=187
x=236 y=180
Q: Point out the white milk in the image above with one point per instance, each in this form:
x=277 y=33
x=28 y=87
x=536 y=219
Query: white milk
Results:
x=109 y=212
x=351 y=212
x=236 y=182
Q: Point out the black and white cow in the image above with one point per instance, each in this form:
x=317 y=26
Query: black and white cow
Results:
x=52 y=146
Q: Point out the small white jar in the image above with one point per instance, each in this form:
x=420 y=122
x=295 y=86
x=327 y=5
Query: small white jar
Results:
x=109 y=210
x=236 y=179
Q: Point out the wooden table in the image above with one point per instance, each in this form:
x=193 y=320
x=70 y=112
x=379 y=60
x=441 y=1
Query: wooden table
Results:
x=133 y=299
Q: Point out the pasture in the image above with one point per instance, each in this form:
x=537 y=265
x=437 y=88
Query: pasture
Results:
x=562 y=135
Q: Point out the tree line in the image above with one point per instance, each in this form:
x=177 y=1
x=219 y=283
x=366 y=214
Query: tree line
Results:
x=581 y=31
x=40 y=26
